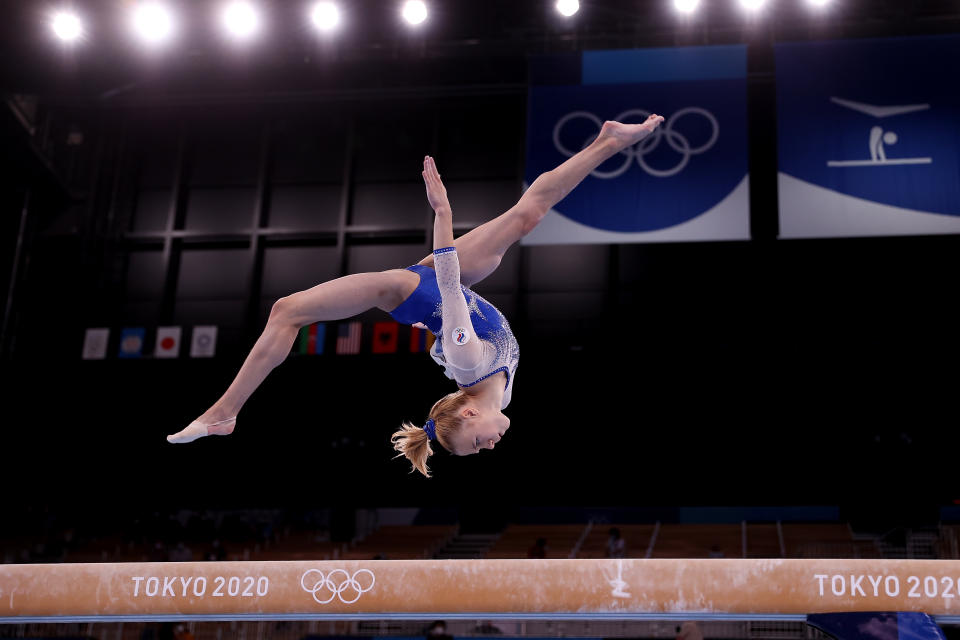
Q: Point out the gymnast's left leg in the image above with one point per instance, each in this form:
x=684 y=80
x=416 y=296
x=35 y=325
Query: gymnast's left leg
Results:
x=481 y=249
x=340 y=298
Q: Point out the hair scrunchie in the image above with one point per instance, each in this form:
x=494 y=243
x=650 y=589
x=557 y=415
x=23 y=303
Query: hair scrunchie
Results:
x=431 y=429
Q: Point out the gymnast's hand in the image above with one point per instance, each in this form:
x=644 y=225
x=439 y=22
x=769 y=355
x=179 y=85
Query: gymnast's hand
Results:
x=436 y=192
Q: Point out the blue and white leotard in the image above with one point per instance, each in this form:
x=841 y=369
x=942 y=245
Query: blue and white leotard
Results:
x=474 y=340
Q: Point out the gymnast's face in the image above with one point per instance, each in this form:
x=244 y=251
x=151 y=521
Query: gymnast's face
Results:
x=479 y=430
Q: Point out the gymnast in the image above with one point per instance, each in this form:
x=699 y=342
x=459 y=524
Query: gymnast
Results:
x=474 y=343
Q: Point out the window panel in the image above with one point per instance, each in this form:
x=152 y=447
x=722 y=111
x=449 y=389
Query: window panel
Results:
x=223 y=210
x=145 y=275
x=287 y=270
x=213 y=274
x=380 y=258
x=306 y=208
x=391 y=205
x=152 y=209
x=226 y=152
x=391 y=145
x=309 y=149
x=568 y=267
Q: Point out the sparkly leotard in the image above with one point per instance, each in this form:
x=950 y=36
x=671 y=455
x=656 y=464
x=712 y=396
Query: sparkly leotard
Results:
x=474 y=340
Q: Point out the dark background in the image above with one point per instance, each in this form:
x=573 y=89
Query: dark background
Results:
x=206 y=182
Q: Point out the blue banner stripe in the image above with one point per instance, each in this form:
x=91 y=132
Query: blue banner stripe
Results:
x=669 y=64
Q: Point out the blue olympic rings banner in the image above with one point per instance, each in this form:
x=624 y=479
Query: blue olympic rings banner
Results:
x=686 y=181
x=869 y=137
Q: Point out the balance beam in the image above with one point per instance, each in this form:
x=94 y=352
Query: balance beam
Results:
x=472 y=589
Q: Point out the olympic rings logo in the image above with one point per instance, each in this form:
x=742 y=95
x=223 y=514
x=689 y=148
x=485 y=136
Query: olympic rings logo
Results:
x=337 y=584
x=677 y=141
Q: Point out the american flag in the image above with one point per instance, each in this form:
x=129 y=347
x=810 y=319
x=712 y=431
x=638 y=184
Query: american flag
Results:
x=348 y=337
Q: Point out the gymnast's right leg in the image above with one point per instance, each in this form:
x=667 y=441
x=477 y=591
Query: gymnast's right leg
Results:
x=481 y=249
x=334 y=300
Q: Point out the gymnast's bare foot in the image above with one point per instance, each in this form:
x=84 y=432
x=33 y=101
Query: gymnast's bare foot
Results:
x=201 y=427
x=630 y=134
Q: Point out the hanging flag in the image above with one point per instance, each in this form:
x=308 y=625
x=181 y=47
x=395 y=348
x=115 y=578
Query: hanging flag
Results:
x=204 y=341
x=420 y=339
x=168 y=342
x=311 y=338
x=131 y=342
x=95 y=344
x=385 y=337
x=348 y=337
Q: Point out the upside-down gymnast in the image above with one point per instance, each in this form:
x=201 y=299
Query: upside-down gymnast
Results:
x=474 y=343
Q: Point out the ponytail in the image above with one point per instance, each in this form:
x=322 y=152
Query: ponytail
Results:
x=413 y=442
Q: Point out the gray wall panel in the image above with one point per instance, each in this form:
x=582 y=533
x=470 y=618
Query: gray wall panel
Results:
x=553 y=308
x=152 y=209
x=391 y=144
x=395 y=204
x=481 y=137
x=477 y=201
x=506 y=277
x=226 y=210
x=380 y=258
x=305 y=208
x=567 y=267
x=287 y=270
x=309 y=150
x=139 y=313
x=227 y=312
x=226 y=151
x=158 y=158
x=145 y=275
x=213 y=274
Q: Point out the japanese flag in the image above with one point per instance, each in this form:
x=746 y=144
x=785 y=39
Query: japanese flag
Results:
x=204 y=342
x=168 y=342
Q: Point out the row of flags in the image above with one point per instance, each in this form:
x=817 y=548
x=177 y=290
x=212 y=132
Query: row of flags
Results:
x=311 y=340
x=385 y=338
x=132 y=342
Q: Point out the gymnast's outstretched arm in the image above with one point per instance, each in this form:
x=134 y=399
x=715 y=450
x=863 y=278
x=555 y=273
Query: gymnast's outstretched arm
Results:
x=462 y=349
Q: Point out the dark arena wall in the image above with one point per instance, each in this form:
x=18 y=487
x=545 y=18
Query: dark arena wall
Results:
x=200 y=189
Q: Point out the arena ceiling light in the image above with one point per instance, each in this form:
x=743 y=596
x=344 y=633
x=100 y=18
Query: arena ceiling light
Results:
x=325 y=16
x=686 y=6
x=240 y=19
x=752 y=5
x=818 y=3
x=568 y=7
x=66 y=26
x=152 y=22
x=414 y=11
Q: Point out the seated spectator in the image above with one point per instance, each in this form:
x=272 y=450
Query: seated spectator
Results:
x=538 y=550
x=158 y=553
x=438 y=631
x=488 y=628
x=181 y=553
x=216 y=552
x=182 y=633
x=616 y=545
x=689 y=631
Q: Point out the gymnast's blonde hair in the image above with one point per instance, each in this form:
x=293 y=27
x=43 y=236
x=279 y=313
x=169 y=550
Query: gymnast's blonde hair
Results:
x=412 y=441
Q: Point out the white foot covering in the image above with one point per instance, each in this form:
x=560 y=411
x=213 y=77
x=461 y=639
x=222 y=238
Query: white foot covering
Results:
x=197 y=429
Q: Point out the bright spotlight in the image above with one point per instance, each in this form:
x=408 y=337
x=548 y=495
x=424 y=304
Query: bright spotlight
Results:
x=819 y=3
x=152 y=22
x=67 y=26
x=752 y=5
x=568 y=7
x=240 y=19
x=686 y=6
x=414 y=11
x=325 y=16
